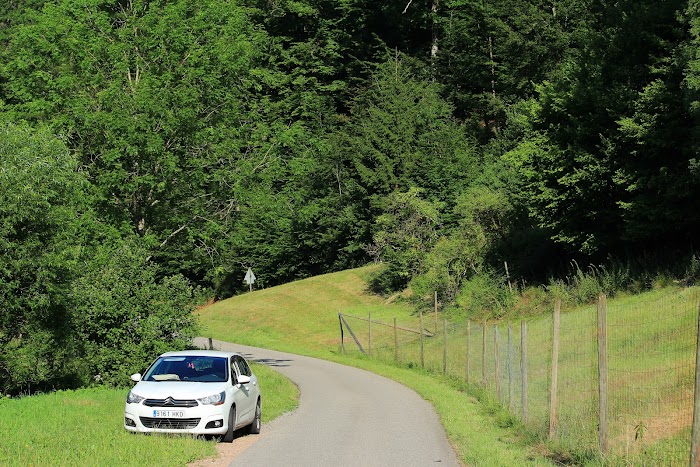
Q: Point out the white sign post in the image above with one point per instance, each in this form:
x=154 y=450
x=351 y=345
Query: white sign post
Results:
x=249 y=279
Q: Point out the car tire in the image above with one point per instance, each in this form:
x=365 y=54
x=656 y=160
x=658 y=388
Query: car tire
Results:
x=228 y=437
x=254 y=427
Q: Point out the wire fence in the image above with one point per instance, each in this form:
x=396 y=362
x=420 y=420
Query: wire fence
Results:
x=615 y=381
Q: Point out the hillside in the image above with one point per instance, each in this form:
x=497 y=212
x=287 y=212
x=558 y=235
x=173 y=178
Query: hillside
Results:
x=300 y=316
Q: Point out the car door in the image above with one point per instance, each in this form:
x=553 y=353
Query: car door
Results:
x=245 y=402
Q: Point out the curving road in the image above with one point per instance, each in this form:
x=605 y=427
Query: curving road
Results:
x=346 y=417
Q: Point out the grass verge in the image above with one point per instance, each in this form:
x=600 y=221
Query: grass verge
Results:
x=85 y=427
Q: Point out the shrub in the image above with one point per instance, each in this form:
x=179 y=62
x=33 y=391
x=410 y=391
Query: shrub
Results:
x=692 y=273
x=126 y=316
x=485 y=293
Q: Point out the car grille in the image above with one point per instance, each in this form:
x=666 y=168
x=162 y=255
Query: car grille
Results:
x=170 y=423
x=170 y=402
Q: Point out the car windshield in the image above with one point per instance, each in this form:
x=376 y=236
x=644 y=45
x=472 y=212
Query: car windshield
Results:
x=188 y=368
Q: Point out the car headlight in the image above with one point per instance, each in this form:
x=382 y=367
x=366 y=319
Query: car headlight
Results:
x=132 y=398
x=215 y=399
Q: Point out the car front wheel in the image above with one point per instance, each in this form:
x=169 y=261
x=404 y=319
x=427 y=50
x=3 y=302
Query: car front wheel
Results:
x=254 y=428
x=228 y=437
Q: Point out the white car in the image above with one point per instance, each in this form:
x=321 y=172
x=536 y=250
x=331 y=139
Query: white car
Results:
x=202 y=392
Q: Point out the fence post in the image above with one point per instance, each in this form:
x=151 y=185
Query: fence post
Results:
x=211 y=344
x=496 y=357
x=396 y=342
x=555 y=370
x=511 y=385
x=342 y=334
x=510 y=286
x=436 y=312
x=469 y=335
x=602 y=374
x=523 y=367
x=422 y=359
x=695 y=436
x=369 y=332
x=444 y=347
x=483 y=353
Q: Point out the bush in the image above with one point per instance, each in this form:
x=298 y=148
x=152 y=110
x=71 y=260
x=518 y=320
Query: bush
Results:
x=484 y=293
x=126 y=316
x=692 y=273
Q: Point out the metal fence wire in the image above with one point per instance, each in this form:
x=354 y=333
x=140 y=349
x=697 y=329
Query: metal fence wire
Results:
x=628 y=398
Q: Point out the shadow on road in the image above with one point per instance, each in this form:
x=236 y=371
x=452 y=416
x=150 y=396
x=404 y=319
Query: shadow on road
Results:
x=268 y=361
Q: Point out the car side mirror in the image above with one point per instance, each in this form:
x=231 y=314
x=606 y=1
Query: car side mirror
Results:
x=136 y=377
x=243 y=379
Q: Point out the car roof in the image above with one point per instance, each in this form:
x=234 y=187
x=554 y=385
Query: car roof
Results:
x=200 y=353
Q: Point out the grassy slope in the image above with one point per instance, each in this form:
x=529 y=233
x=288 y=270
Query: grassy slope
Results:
x=85 y=428
x=301 y=317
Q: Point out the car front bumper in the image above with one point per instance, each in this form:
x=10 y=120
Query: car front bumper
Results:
x=200 y=420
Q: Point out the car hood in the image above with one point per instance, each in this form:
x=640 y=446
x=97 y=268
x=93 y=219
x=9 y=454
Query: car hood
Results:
x=177 y=389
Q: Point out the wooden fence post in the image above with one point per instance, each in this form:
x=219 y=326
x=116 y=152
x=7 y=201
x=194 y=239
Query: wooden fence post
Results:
x=422 y=359
x=469 y=335
x=436 y=312
x=602 y=374
x=497 y=358
x=483 y=352
x=523 y=367
x=211 y=344
x=444 y=347
x=695 y=435
x=396 y=342
x=369 y=334
x=511 y=359
x=555 y=370
x=342 y=334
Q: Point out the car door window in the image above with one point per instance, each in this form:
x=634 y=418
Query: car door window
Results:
x=243 y=366
x=234 y=372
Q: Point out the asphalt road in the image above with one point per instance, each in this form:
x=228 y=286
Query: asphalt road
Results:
x=346 y=417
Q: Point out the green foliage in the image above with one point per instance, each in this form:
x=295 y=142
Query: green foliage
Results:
x=404 y=233
x=608 y=162
x=482 y=218
x=299 y=137
x=42 y=227
x=692 y=273
x=447 y=265
x=485 y=294
x=504 y=48
x=125 y=315
x=77 y=301
x=401 y=134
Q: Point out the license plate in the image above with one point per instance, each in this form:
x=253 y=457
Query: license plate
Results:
x=168 y=414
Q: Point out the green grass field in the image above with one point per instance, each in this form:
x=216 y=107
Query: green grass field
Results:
x=651 y=357
x=85 y=427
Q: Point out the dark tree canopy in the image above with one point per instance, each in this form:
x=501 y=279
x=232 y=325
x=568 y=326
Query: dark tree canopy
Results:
x=177 y=143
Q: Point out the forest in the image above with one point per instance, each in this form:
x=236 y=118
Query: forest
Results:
x=151 y=151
